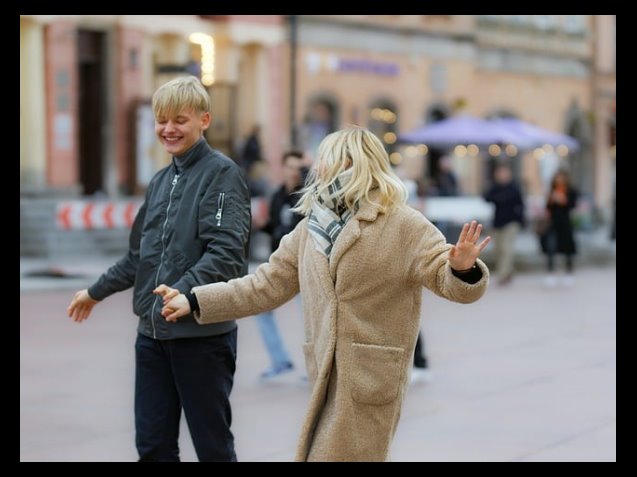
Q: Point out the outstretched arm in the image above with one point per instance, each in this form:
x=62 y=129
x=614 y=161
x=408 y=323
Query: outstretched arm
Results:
x=441 y=267
x=271 y=285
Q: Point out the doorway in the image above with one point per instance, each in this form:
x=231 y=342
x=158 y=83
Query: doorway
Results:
x=91 y=93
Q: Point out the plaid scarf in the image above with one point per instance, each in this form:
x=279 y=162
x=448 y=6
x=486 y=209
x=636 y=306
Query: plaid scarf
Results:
x=329 y=214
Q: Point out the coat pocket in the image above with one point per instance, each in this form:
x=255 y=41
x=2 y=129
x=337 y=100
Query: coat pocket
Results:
x=310 y=362
x=376 y=373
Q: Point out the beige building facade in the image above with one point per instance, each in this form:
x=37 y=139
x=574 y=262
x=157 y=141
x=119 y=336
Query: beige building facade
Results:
x=86 y=82
x=427 y=67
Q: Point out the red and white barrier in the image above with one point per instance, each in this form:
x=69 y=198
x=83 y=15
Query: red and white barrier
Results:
x=81 y=215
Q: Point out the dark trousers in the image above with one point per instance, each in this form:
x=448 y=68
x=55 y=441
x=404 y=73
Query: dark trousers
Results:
x=195 y=374
x=551 y=262
x=420 y=360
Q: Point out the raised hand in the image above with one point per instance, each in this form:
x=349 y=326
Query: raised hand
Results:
x=81 y=306
x=464 y=253
x=176 y=304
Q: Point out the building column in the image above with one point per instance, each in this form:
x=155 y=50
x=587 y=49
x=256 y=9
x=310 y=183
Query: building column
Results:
x=32 y=106
x=602 y=160
x=130 y=82
x=62 y=169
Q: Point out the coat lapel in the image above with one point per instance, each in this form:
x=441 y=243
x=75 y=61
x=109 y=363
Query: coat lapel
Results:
x=351 y=232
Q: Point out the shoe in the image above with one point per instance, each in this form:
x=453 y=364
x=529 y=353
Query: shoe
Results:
x=420 y=375
x=550 y=281
x=277 y=371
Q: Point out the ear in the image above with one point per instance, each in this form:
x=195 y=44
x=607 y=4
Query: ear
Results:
x=205 y=120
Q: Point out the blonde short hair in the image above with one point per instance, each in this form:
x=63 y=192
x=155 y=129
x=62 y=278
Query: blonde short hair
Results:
x=184 y=93
x=361 y=150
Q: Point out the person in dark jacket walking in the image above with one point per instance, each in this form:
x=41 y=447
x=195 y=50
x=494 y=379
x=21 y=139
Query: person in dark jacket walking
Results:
x=281 y=222
x=193 y=228
x=507 y=221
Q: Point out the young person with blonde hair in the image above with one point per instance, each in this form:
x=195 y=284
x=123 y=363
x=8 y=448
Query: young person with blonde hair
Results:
x=192 y=229
x=360 y=258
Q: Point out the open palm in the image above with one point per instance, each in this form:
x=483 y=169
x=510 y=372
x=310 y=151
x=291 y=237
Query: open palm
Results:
x=464 y=253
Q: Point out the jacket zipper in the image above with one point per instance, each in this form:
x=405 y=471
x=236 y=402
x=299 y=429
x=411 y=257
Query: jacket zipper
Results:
x=163 y=250
x=222 y=197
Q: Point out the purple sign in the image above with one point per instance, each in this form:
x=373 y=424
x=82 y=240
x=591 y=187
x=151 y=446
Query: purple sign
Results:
x=347 y=65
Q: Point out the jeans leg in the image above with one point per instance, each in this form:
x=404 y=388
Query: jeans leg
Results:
x=272 y=339
x=157 y=406
x=204 y=373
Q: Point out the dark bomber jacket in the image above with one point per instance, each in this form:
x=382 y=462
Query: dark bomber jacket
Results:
x=193 y=229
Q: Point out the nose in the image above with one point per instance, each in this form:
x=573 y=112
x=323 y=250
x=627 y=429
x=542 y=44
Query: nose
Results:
x=169 y=126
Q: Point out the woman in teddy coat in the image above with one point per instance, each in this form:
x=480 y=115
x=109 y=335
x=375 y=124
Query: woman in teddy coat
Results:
x=359 y=258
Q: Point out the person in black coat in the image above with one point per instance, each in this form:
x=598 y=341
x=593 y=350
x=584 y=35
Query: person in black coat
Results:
x=560 y=237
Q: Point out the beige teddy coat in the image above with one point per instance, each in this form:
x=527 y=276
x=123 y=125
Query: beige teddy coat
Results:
x=362 y=316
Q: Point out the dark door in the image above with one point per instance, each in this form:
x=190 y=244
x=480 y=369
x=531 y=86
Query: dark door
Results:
x=91 y=99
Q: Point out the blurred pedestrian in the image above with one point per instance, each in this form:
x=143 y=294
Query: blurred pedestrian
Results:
x=445 y=185
x=360 y=258
x=446 y=182
x=559 y=238
x=193 y=228
x=282 y=221
x=506 y=195
x=251 y=152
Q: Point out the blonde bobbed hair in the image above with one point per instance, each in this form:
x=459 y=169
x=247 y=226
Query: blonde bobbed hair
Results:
x=181 y=94
x=361 y=150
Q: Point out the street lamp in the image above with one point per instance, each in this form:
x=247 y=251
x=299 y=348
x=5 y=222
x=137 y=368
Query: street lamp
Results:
x=293 y=46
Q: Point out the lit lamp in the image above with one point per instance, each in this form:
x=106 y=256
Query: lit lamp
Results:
x=207 y=44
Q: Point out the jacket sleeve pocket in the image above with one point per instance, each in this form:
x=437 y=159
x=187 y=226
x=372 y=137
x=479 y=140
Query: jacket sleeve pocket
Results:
x=310 y=362
x=375 y=373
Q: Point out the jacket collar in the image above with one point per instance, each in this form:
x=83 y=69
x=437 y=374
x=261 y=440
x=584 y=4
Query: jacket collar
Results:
x=368 y=211
x=192 y=155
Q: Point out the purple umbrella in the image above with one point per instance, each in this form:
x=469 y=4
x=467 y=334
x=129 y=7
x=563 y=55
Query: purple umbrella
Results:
x=463 y=130
x=535 y=135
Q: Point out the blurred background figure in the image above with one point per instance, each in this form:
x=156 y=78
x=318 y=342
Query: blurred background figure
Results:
x=446 y=182
x=421 y=371
x=251 y=152
x=506 y=195
x=281 y=222
x=559 y=237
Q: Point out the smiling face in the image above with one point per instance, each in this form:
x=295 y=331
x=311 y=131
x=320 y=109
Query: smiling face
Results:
x=181 y=108
x=178 y=132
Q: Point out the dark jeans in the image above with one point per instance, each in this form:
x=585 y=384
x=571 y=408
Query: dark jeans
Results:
x=195 y=374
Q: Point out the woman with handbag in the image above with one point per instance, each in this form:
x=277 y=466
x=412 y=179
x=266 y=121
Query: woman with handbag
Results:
x=560 y=237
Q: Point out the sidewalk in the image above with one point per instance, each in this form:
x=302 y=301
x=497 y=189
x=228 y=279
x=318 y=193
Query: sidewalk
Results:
x=524 y=374
x=76 y=272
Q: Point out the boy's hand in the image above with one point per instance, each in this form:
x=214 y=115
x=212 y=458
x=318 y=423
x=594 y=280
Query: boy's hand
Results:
x=81 y=306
